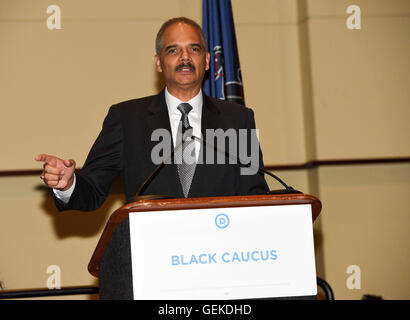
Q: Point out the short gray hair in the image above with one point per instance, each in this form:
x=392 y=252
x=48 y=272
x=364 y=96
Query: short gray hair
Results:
x=170 y=22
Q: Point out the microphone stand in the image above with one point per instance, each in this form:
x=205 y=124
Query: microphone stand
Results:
x=287 y=190
x=139 y=197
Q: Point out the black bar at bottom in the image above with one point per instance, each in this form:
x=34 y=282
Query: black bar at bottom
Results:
x=48 y=292
x=95 y=290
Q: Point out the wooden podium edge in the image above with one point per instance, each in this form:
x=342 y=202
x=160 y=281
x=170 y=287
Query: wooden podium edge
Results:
x=122 y=213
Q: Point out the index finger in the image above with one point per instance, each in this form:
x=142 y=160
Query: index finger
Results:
x=44 y=158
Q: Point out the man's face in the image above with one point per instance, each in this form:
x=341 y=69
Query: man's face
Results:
x=183 y=59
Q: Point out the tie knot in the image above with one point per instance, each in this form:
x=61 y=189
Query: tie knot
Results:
x=185 y=108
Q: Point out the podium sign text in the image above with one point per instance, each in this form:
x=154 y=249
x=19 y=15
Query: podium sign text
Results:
x=226 y=253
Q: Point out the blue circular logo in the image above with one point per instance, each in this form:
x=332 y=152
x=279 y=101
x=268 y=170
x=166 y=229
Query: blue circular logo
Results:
x=222 y=221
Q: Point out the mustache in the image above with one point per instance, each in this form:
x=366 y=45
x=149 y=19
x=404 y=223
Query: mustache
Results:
x=185 y=65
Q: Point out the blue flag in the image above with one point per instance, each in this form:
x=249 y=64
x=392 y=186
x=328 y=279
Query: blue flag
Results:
x=223 y=79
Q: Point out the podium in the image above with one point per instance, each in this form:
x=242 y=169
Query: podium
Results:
x=209 y=248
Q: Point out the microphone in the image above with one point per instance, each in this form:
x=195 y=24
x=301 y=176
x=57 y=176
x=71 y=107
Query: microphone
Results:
x=287 y=190
x=138 y=196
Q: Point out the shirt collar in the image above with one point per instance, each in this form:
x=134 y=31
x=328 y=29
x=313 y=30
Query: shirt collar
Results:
x=173 y=103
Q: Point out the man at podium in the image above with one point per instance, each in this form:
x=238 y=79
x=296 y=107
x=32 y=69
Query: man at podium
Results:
x=126 y=142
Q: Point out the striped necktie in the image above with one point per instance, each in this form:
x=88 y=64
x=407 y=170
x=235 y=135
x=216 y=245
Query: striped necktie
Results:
x=187 y=159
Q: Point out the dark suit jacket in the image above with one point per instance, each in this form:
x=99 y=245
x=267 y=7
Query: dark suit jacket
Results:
x=123 y=148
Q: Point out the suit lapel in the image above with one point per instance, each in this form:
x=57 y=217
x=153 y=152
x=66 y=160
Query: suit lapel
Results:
x=158 y=118
x=158 y=113
x=210 y=119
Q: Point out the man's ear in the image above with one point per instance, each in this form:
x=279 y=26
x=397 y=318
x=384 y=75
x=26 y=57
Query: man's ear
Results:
x=207 y=59
x=158 y=63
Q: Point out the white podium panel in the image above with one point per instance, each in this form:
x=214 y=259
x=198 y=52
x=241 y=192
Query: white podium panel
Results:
x=227 y=253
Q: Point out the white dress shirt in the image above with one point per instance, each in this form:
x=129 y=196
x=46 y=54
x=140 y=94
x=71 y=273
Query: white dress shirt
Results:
x=194 y=117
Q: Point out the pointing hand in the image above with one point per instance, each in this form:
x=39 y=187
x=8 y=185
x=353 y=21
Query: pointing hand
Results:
x=57 y=173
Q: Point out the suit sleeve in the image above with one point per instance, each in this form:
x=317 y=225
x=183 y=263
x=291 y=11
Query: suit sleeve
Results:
x=103 y=164
x=255 y=183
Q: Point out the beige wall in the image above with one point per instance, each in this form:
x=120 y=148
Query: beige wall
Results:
x=365 y=222
x=319 y=90
x=361 y=109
